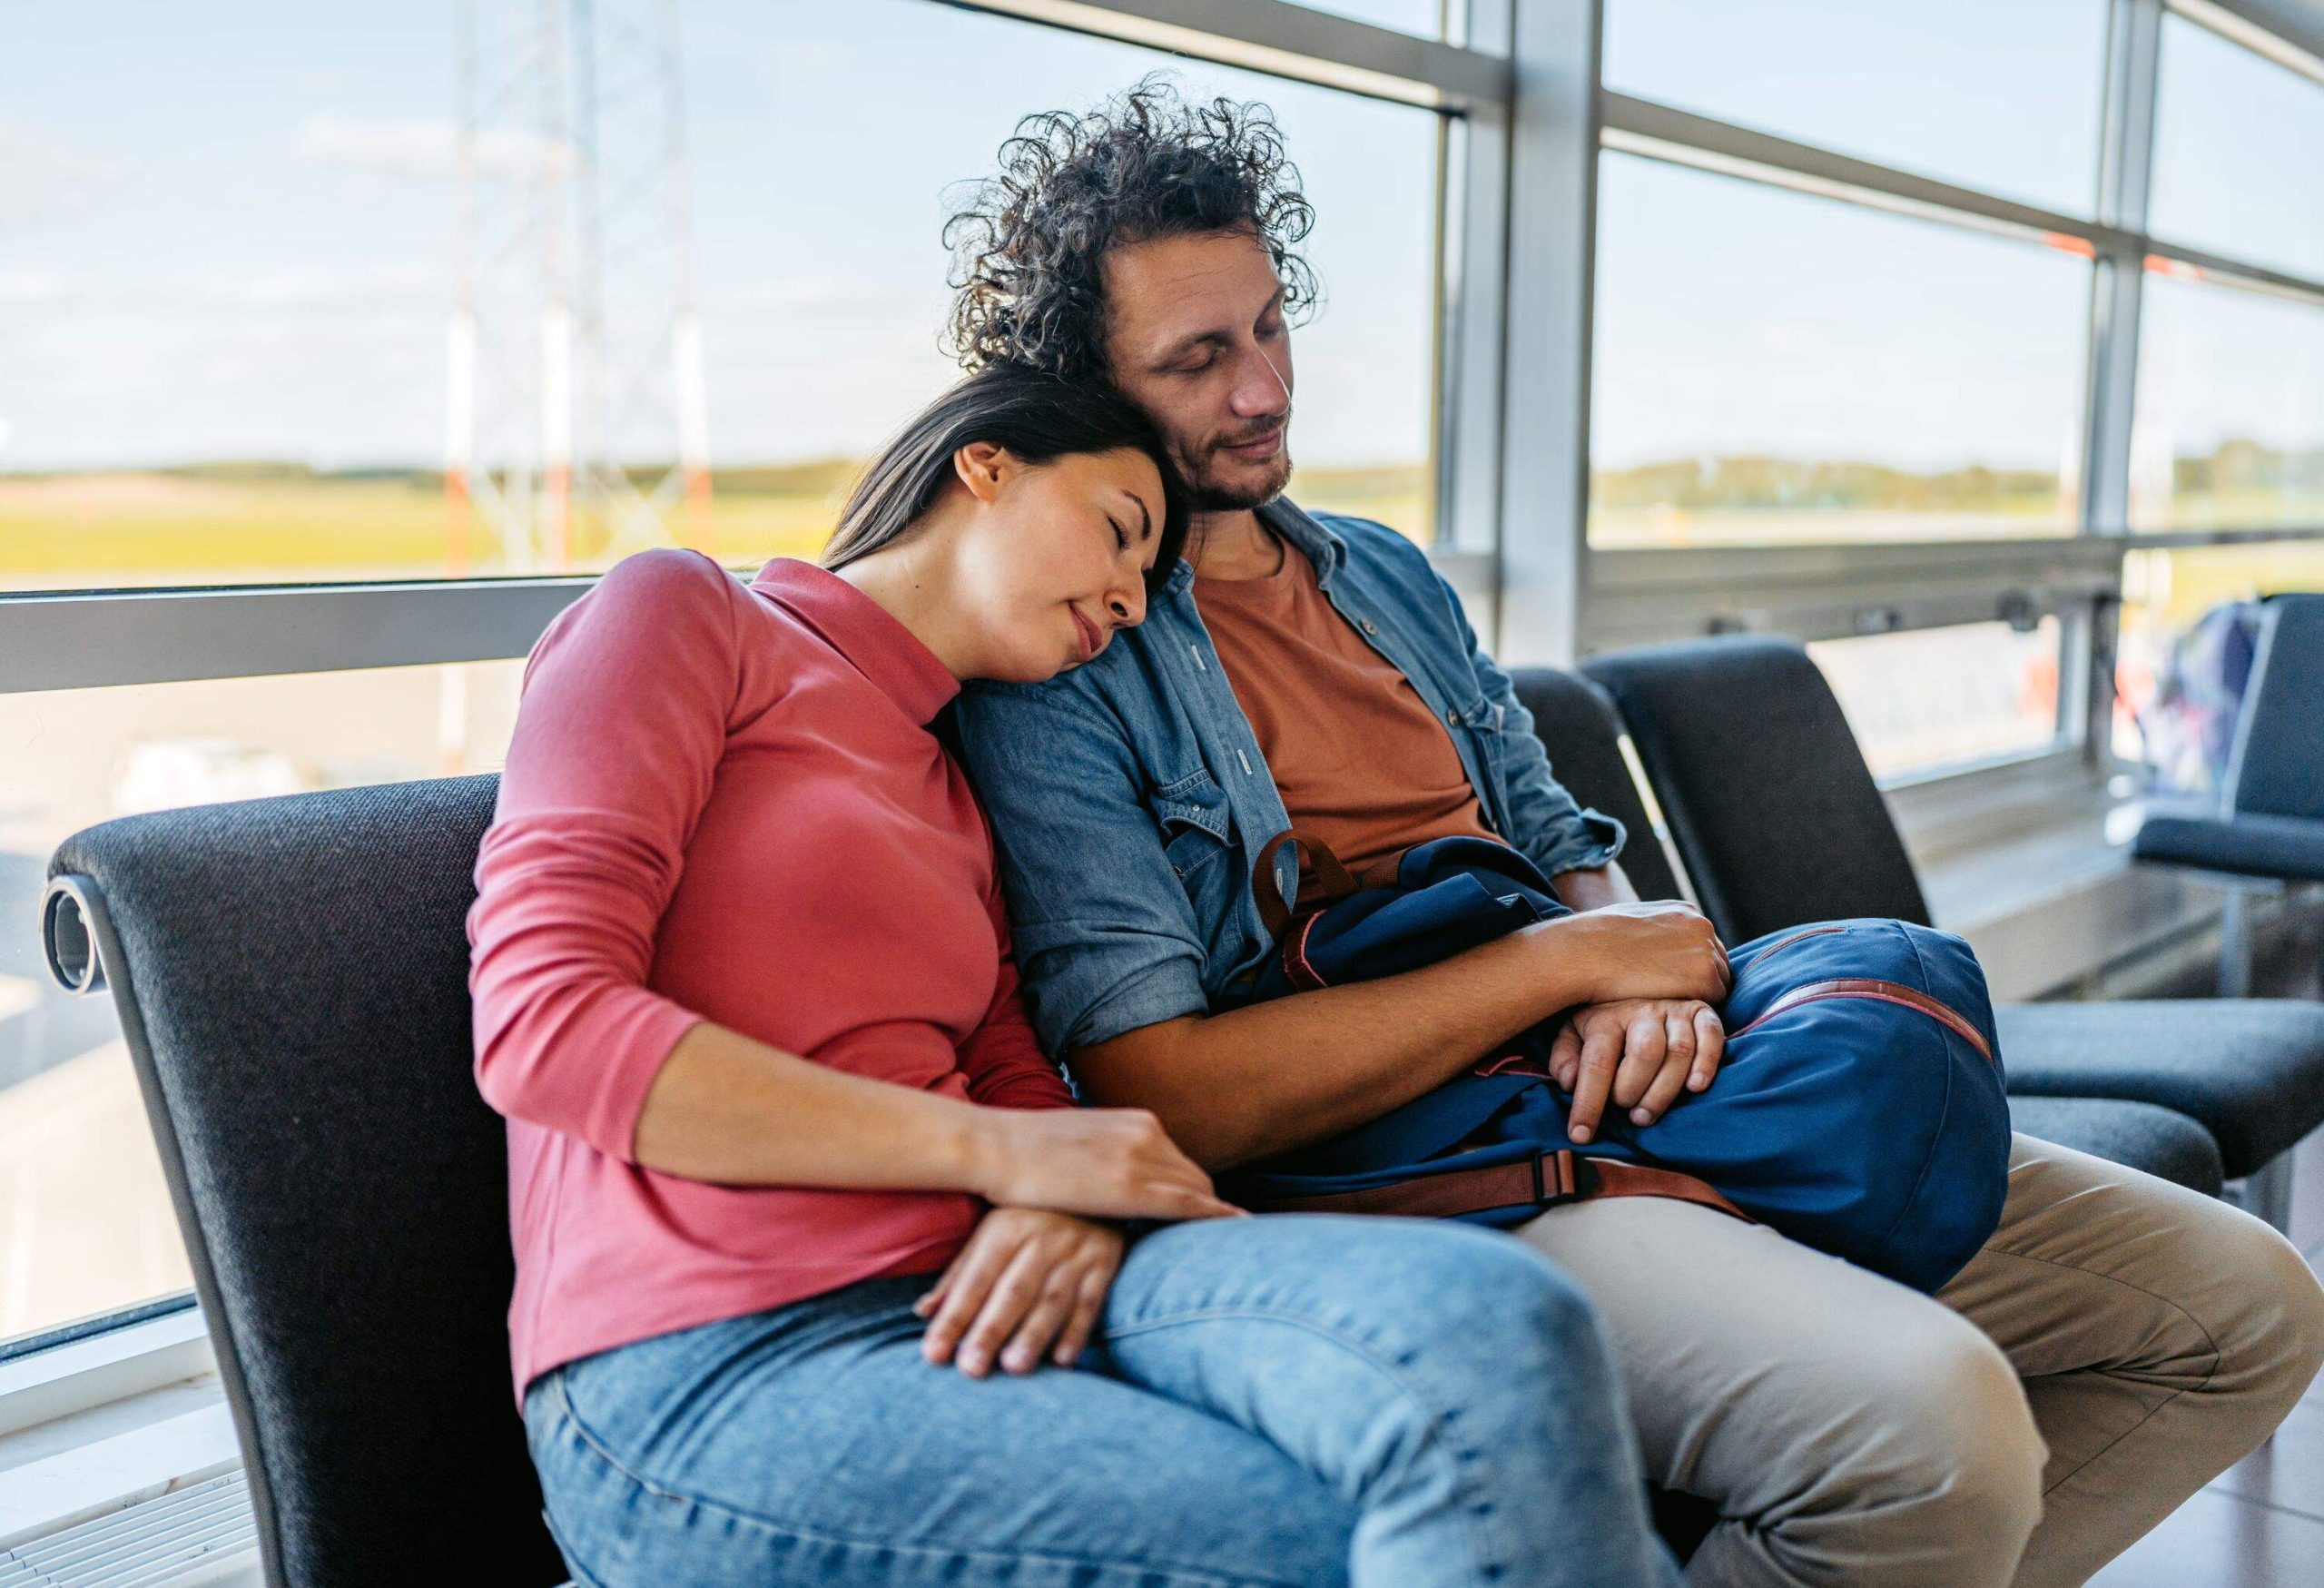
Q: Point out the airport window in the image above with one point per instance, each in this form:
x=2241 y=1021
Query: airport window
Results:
x=2230 y=431
x=2236 y=136
x=1946 y=698
x=1771 y=367
x=693 y=350
x=2001 y=95
x=88 y=1214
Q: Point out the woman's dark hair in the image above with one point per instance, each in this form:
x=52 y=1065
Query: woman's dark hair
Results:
x=1038 y=417
x=1027 y=249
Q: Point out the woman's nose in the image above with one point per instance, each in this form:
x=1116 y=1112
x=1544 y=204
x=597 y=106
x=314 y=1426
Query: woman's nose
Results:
x=1130 y=609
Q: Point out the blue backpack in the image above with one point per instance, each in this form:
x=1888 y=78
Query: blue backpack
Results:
x=1858 y=1107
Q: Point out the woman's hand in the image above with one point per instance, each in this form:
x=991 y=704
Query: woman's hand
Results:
x=1029 y=1283
x=1663 y=949
x=1104 y=1163
x=1639 y=1053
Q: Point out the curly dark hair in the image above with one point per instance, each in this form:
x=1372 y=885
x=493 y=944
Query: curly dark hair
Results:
x=1028 y=245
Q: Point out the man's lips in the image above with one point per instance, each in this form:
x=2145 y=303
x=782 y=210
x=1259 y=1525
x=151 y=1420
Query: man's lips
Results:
x=1092 y=642
x=1257 y=445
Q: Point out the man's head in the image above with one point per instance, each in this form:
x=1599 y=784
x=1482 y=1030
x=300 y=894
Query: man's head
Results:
x=1153 y=245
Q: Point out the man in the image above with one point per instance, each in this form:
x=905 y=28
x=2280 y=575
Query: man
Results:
x=2119 y=1343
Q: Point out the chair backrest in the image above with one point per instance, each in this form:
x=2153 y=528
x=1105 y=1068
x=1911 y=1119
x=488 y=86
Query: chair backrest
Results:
x=2276 y=766
x=1768 y=798
x=1578 y=726
x=291 y=976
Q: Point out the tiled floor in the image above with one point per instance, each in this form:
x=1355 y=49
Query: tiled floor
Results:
x=2261 y=1524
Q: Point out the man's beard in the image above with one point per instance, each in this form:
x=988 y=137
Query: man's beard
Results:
x=1211 y=495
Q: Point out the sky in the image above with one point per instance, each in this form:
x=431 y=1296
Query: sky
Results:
x=229 y=231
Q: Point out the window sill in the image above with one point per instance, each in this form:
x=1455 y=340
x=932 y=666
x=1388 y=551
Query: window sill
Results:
x=106 y=1458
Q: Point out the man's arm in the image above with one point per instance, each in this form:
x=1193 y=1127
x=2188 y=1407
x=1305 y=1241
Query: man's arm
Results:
x=1110 y=953
x=1594 y=887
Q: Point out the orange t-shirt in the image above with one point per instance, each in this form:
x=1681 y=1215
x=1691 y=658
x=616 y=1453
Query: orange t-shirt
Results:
x=1360 y=760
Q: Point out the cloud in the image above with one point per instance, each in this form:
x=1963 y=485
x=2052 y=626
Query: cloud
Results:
x=424 y=148
x=28 y=286
x=380 y=286
x=39 y=176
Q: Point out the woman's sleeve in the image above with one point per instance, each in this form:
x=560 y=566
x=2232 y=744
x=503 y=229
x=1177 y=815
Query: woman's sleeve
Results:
x=619 y=733
x=1001 y=1058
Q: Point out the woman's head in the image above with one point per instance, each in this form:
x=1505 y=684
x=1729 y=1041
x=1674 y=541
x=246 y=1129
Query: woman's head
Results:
x=1052 y=507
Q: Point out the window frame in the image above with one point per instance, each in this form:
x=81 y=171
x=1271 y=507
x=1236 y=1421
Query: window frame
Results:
x=1834 y=590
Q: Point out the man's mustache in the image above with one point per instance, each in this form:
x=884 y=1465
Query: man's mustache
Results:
x=1276 y=429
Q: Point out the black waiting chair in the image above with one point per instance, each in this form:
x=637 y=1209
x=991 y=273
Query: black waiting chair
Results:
x=1590 y=752
x=1777 y=816
x=2266 y=827
x=291 y=976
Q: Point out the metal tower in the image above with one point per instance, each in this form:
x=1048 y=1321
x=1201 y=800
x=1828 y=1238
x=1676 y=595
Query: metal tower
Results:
x=573 y=423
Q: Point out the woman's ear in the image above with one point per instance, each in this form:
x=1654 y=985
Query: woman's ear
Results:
x=984 y=466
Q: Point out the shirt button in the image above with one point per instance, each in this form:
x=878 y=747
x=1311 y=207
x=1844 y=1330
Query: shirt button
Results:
x=1368 y=628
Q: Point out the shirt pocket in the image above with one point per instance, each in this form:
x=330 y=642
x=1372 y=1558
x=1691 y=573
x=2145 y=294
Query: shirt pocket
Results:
x=1197 y=840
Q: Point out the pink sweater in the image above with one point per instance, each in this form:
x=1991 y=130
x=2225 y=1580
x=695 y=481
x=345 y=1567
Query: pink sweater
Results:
x=724 y=804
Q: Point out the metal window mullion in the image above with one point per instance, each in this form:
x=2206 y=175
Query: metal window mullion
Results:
x=83 y=641
x=1545 y=360
x=1475 y=319
x=2118 y=274
x=1283 y=40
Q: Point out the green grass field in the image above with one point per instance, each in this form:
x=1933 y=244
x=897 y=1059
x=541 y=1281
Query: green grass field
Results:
x=256 y=525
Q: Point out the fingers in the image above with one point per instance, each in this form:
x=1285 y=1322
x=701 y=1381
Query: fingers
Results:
x=1710 y=1046
x=1601 y=1050
x=1565 y=1055
x=1038 y=1330
x=1678 y=1064
x=1013 y=1296
x=963 y=1289
x=1088 y=1305
x=1642 y=1053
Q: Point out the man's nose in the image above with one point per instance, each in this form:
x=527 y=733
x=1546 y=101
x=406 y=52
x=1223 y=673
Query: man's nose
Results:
x=1260 y=389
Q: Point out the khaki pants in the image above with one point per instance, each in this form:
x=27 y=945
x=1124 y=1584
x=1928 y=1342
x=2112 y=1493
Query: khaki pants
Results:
x=2119 y=1343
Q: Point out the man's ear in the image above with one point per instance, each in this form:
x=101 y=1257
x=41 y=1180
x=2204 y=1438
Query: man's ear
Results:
x=984 y=466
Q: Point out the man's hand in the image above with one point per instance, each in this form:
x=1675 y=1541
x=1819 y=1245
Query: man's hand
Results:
x=1639 y=1052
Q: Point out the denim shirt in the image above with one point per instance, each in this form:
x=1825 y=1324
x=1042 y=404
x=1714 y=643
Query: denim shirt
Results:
x=1130 y=799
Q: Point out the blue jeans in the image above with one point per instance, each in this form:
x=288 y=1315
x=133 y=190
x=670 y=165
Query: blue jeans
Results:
x=1288 y=1402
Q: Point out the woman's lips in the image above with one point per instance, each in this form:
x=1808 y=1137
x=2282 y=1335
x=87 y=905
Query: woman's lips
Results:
x=1092 y=642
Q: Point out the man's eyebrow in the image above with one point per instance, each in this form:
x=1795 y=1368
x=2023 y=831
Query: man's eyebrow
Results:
x=1145 y=517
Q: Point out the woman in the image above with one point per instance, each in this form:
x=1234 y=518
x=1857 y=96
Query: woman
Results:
x=783 y=1149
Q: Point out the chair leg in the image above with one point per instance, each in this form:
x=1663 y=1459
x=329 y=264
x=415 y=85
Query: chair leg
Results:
x=2266 y=1192
x=2235 y=945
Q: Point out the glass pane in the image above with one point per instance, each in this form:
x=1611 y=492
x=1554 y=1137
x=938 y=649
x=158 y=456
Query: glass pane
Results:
x=2236 y=142
x=2001 y=95
x=2175 y=689
x=1424 y=17
x=1939 y=698
x=1771 y=367
x=2228 y=431
x=267 y=394
x=87 y=1215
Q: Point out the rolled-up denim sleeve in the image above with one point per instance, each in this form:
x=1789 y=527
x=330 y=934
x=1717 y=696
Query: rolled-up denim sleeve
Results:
x=1553 y=829
x=1106 y=939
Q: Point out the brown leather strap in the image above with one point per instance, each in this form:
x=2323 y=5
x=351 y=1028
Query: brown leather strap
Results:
x=1895 y=993
x=1544 y=1182
x=1274 y=913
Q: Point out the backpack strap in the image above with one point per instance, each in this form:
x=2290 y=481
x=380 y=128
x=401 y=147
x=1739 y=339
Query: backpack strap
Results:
x=1274 y=913
x=1546 y=1181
